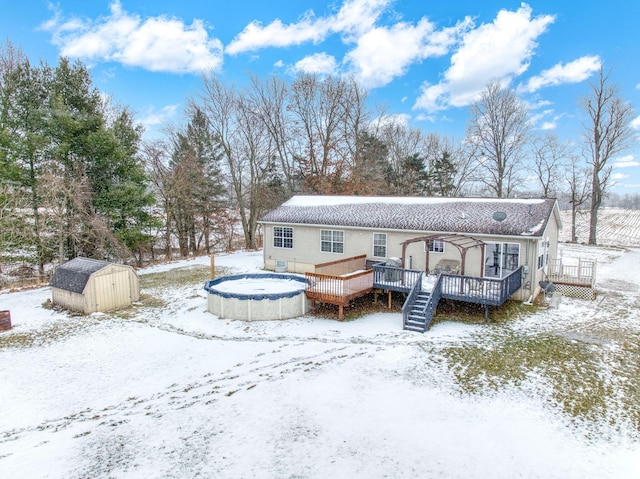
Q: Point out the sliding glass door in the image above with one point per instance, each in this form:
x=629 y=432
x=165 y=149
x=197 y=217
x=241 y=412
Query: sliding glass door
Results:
x=501 y=259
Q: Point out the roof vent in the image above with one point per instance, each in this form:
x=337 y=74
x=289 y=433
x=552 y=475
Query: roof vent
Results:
x=499 y=216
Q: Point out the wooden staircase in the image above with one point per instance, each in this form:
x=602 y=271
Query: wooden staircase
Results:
x=418 y=318
x=420 y=306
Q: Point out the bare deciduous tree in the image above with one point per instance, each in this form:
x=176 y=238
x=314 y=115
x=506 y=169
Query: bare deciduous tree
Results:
x=320 y=109
x=246 y=147
x=607 y=133
x=156 y=154
x=498 y=132
x=577 y=179
x=549 y=161
x=406 y=154
x=269 y=101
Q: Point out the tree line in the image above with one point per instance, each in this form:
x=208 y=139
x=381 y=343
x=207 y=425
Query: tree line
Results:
x=78 y=179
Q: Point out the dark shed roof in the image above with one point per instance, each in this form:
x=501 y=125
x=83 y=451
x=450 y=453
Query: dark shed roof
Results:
x=491 y=216
x=73 y=275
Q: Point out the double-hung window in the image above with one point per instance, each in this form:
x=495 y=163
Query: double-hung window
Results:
x=380 y=245
x=543 y=253
x=331 y=241
x=435 y=246
x=282 y=237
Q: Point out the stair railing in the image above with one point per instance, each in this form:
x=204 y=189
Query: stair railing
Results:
x=432 y=304
x=430 y=307
x=411 y=299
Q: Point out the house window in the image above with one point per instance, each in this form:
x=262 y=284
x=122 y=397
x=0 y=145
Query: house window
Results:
x=332 y=241
x=435 y=246
x=380 y=245
x=282 y=237
x=543 y=253
x=547 y=251
x=501 y=259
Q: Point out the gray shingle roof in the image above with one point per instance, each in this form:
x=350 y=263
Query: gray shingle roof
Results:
x=528 y=217
x=73 y=275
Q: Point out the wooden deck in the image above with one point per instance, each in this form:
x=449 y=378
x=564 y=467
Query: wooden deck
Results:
x=579 y=273
x=340 y=282
x=420 y=306
x=338 y=290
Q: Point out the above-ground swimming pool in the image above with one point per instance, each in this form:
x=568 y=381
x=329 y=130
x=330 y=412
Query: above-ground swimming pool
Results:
x=256 y=297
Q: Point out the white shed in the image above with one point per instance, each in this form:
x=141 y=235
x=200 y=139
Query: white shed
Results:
x=88 y=285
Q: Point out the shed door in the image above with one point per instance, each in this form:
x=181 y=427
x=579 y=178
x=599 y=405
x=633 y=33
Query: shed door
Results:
x=112 y=290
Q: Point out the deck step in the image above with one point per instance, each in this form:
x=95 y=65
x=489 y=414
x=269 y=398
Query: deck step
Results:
x=418 y=327
x=417 y=318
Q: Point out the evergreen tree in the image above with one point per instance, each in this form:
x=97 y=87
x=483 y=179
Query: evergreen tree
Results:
x=23 y=139
x=441 y=177
x=196 y=183
x=81 y=174
x=411 y=176
x=370 y=167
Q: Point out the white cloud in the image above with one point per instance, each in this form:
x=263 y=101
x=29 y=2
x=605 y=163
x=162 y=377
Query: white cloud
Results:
x=427 y=118
x=398 y=119
x=626 y=162
x=572 y=72
x=384 y=53
x=381 y=53
x=276 y=34
x=321 y=63
x=546 y=119
x=353 y=18
x=162 y=117
x=619 y=176
x=537 y=117
x=155 y=43
x=635 y=124
x=500 y=51
x=357 y=17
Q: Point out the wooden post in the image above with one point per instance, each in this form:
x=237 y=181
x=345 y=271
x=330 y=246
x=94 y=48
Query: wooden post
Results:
x=340 y=313
x=389 y=300
x=212 y=272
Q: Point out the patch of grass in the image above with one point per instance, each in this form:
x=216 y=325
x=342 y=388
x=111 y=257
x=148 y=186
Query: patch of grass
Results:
x=46 y=335
x=146 y=301
x=154 y=284
x=474 y=313
x=185 y=276
x=361 y=306
x=584 y=380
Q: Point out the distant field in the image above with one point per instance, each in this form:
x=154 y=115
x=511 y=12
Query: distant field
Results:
x=616 y=226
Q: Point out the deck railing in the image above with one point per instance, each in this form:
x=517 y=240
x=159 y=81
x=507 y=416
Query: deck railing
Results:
x=342 y=266
x=492 y=291
x=434 y=298
x=583 y=273
x=411 y=299
x=395 y=279
x=338 y=289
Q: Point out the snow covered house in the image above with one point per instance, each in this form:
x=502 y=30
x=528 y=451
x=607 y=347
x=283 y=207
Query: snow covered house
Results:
x=89 y=285
x=474 y=238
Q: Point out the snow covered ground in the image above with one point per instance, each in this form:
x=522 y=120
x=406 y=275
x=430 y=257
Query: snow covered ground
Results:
x=171 y=391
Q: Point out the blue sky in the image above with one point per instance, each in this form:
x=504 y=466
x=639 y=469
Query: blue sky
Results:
x=424 y=61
